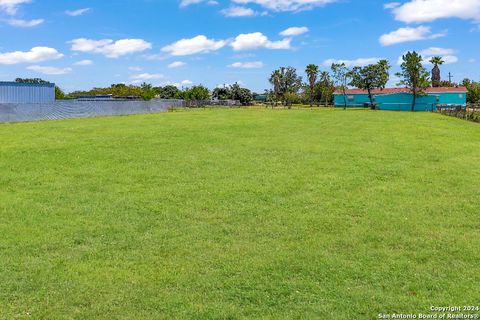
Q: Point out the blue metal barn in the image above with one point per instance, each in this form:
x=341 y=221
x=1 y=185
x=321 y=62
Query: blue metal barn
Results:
x=400 y=99
x=15 y=92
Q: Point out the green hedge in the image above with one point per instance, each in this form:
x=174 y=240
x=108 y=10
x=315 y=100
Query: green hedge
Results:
x=462 y=114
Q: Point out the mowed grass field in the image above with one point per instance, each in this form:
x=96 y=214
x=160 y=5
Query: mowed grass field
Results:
x=239 y=214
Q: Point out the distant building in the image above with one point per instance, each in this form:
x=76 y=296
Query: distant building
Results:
x=400 y=99
x=98 y=97
x=107 y=97
x=15 y=92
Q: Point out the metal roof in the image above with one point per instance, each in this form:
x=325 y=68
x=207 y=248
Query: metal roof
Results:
x=21 y=84
x=405 y=90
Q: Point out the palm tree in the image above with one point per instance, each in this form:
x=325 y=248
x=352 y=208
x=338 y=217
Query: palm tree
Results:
x=326 y=85
x=436 y=77
x=276 y=81
x=312 y=73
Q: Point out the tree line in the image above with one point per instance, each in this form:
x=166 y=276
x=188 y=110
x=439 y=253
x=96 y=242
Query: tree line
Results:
x=146 y=91
x=289 y=88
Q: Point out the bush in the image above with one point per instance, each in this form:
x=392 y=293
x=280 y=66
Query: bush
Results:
x=462 y=114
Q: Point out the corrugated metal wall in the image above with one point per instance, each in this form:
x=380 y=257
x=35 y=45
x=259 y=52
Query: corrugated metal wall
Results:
x=12 y=92
x=65 y=109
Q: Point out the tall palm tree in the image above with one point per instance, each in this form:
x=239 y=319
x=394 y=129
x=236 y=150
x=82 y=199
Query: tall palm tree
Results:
x=436 y=77
x=276 y=81
x=312 y=73
x=326 y=85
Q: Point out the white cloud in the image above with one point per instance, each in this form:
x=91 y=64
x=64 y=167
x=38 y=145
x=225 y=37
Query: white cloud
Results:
x=36 y=54
x=391 y=5
x=198 y=44
x=447 y=54
x=237 y=11
x=147 y=76
x=183 y=83
x=257 y=40
x=76 y=13
x=435 y=51
x=186 y=3
x=11 y=6
x=408 y=34
x=83 y=63
x=53 y=71
x=286 y=5
x=136 y=69
x=431 y=10
x=176 y=64
x=109 y=48
x=294 y=31
x=247 y=65
x=25 y=23
x=361 y=62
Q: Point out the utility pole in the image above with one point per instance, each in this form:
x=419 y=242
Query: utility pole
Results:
x=450 y=78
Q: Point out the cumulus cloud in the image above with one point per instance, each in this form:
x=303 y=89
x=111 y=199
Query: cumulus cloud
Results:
x=360 y=62
x=147 y=76
x=417 y=11
x=76 y=13
x=52 y=71
x=176 y=64
x=110 y=48
x=409 y=34
x=257 y=40
x=83 y=63
x=247 y=65
x=391 y=5
x=36 y=54
x=25 y=23
x=11 y=6
x=237 y=11
x=198 y=44
x=294 y=31
x=184 y=83
x=286 y=5
x=186 y=3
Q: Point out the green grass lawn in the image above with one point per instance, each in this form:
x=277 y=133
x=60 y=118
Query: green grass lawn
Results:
x=239 y=214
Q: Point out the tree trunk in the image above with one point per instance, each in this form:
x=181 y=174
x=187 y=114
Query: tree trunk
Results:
x=414 y=100
x=311 y=96
x=370 y=96
x=436 y=77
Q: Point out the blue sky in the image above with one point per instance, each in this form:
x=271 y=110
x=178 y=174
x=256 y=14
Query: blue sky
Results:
x=79 y=44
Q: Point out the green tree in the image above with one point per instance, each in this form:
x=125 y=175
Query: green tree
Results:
x=473 y=91
x=199 y=93
x=222 y=93
x=290 y=98
x=240 y=94
x=373 y=76
x=169 y=92
x=147 y=91
x=312 y=73
x=276 y=81
x=59 y=94
x=326 y=88
x=291 y=82
x=413 y=76
x=341 y=75
x=436 y=76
